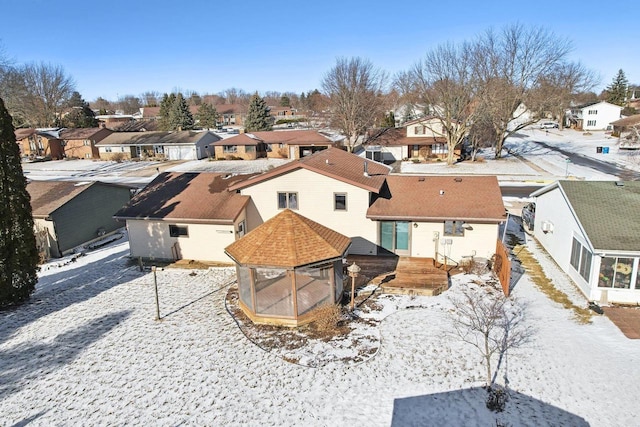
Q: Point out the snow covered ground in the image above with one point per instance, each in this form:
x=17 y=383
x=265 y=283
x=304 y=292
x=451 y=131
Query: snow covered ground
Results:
x=541 y=163
x=87 y=350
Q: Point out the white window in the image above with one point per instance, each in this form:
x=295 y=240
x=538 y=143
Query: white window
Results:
x=86 y=142
x=581 y=259
x=591 y=122
x=591 y=112
x=454 y=228
x=107 y=149
x=419 y=130
x=287 y=200
x=340 y=201
x=229 y=148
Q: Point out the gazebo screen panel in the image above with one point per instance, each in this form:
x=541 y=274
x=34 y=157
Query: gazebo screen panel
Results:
x=244 y=286
x=274 y=292
x=313 y=287
x=337 y=270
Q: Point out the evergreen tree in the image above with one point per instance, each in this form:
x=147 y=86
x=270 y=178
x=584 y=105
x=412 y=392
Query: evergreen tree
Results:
x=18 y=252
x=80 y=114
x=285 y=101
x=165 y=107
x=180 y=117
x=207 y=116
x=617 y=90
x=389 y=120
x=258 y=117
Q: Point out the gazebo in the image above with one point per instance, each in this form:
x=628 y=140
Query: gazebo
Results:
x=287 y=267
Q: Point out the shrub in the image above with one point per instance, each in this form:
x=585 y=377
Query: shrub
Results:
x=497 y=398
x=117 y=157
x=328 y=317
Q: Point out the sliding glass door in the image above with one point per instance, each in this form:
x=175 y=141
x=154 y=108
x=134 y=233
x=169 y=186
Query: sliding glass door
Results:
x=395 y=237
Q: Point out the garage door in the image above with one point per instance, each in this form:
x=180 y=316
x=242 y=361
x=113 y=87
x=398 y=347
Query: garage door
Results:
x=181 y=153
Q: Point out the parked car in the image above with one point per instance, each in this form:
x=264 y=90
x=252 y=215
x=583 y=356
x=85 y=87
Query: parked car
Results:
x=548 y=125
x=529 y=216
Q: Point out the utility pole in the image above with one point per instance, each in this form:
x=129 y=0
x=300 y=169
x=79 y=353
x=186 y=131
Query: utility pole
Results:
x=155 y=286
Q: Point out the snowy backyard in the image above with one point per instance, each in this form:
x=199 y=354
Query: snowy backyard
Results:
x=86 y=349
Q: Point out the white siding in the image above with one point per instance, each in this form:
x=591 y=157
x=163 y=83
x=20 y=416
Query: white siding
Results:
x=206 y=242
x=606 y=113
x=315 y=201
x=552 y=207
x=479 y=242
x=43 y=224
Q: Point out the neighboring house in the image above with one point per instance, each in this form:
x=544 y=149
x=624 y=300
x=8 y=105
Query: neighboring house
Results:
x=243 y=146
x=414 y=216
x=596 y=115
x=292 y=144
x=81 y=143
x=521 y=116
x=70 y=214
x=286 y=113
x=113 y=121
x=591 y=230
x=178 y=145
x=418 y=139
x=185 y=216
x=231 y=114
x=40 y=143
x=628 y=131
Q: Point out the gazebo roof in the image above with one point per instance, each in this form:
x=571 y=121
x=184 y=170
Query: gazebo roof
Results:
x=288 y=240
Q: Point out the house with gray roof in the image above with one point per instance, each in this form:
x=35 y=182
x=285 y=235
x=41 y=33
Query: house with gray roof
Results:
x=591 y=229
x=173 y=145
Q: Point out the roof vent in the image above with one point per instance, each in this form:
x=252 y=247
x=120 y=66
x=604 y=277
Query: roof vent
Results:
x=458 y=179
x=421 y=179
x=442 y=192
x=619 y=184
x=366 y=168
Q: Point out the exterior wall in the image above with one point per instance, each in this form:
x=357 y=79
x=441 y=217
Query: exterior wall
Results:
x=433 y=128
x=553 y=207
x=278 y=151
x=315 y=201
x=43 y=224
x=479 y=242
x=77 y=222
x=607 y=113
x=77 y=148
x=206 y=242
x=117 y=151
x=241 y=151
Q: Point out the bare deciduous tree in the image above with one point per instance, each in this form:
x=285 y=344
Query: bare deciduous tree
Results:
x=354 y=87
x=37 y=92
x=491 y=323
x=446 y=82
x=514 y=65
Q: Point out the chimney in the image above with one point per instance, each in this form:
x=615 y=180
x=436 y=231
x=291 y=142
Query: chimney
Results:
x=366 y=169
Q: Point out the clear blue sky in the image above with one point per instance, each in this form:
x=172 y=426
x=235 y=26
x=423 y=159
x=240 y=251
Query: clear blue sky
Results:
x=114 y=48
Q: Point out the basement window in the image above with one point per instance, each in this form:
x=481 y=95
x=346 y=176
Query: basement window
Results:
x=178 y=231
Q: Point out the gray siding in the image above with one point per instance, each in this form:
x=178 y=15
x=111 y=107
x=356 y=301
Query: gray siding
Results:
x=78 y=221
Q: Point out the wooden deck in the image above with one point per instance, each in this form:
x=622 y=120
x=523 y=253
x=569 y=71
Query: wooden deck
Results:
x=402 y=275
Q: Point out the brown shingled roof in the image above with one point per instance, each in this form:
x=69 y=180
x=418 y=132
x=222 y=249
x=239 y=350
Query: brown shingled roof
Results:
x=291 y=137
x=288 y=240
x=195 y=197
x=152 y=138
x=48 y=196
x=469 y=198
x=627 y=121
x=78 y=133
x=398 y=137
x=24 y=133
x=334 y=163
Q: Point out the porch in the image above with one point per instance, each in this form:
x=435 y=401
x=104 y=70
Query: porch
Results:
x=402 y=275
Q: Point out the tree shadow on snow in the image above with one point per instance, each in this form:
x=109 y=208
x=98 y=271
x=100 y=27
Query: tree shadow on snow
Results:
x=34 y=359
x=61 y=290
x=468 y=407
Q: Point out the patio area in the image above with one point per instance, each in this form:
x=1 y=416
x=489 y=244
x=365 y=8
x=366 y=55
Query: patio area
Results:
x=401 y=275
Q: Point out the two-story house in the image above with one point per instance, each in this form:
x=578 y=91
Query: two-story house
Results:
x=423 y=138
x=81 y=143
x=40 y=143
x=593 y=116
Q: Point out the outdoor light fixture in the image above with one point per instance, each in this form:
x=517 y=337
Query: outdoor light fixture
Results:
x=415 y=225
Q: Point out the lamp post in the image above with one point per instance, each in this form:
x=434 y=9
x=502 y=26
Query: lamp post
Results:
x=155 y=285
x=353 y=270
x=566 y=171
